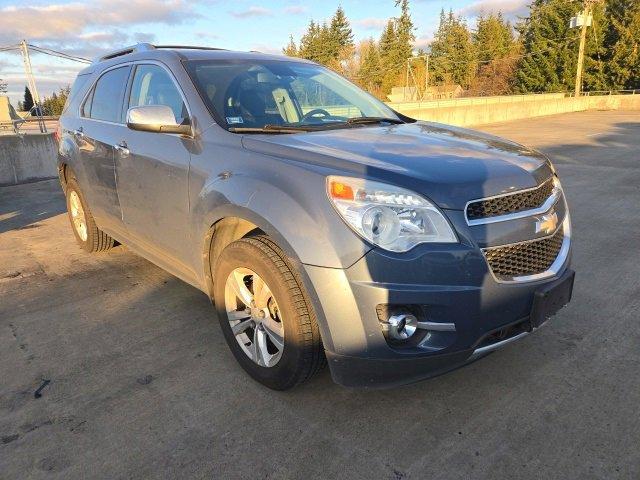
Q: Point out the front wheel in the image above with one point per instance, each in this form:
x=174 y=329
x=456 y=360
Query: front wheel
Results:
x=265 y=315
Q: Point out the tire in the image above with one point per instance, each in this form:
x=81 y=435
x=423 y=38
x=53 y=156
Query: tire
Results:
x=288 y=311
x=88 y=235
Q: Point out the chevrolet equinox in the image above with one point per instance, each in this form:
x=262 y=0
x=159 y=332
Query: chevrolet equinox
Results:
x=325 y=227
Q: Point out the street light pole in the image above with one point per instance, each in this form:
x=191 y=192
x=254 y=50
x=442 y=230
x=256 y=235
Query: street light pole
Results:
x=24 y=49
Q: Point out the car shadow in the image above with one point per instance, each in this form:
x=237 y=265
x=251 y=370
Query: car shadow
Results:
x=23 y=206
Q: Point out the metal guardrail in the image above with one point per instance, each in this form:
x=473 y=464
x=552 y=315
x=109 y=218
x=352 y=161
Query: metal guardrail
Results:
x=600 y=93
x=44 y=117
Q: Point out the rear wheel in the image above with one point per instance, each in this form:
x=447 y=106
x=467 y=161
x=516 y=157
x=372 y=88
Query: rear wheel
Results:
x=265 y=314
x=88 y=235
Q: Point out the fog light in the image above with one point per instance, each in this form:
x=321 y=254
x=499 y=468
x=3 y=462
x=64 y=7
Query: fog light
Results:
x=402 y=326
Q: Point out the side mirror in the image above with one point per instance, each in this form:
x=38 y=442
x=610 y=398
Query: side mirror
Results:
x=156 y=118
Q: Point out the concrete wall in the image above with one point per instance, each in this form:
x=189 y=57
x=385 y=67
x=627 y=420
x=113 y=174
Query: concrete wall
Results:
x=25 y=158
x=484 y=110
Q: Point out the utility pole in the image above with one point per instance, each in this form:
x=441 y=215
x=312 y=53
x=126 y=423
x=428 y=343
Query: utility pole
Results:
x=426 y=77
x=583 y=20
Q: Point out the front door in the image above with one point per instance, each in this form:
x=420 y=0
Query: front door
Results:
x=152 y=169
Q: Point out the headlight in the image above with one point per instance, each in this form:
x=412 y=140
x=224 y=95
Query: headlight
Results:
x=391 y=217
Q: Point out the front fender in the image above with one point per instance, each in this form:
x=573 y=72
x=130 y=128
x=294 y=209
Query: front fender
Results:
x=296 y=214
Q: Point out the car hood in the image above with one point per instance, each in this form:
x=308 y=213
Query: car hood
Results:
x=447 y=164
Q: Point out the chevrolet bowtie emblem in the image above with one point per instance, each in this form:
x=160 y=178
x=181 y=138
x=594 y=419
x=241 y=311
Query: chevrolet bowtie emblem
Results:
x=547 y=223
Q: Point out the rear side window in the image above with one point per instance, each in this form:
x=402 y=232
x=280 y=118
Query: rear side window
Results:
x=152 y=85
x=78 y=85
x=105 y=100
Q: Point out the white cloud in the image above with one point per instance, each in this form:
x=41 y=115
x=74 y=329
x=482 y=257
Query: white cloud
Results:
x=371 y=23
x=207 y=35
x=85 y=29
x=71 y=20
x=252 y=12
x=423 y=41
x=509 y=8
x=269 y=49
x=295 y=10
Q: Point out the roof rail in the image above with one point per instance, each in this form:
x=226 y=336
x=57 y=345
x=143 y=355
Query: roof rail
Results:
x=188 y=47
x=145 y=47
x=140 y=47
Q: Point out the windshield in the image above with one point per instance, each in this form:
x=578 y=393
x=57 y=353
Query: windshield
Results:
x=248 y=95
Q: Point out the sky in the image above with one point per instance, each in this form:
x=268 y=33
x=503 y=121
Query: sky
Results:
x=88 y=28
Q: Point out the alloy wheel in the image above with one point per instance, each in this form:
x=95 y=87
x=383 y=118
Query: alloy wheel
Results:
x=254 y=317
x=77 y=215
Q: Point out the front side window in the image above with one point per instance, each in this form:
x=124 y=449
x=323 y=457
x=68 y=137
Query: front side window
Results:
x=105 y=100
x=152 y=85
x=289 y=94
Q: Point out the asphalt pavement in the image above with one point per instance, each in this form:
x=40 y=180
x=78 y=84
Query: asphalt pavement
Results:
x=142 y=384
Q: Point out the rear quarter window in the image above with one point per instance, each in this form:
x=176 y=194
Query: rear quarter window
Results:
x=78 y=86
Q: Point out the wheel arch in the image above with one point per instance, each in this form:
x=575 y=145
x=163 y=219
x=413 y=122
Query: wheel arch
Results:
x=237 y=224
x=234 y=224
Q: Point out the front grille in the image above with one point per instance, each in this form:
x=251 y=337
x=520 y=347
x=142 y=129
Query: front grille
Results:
x=511 y=203
x=526 y=258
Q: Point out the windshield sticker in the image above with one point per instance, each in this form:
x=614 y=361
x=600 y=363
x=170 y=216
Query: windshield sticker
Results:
x=234 y=120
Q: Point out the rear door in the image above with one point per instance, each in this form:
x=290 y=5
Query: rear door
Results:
x=98 y=131
x=152 y=168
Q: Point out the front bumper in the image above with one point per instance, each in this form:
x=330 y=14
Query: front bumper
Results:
x=451 y=282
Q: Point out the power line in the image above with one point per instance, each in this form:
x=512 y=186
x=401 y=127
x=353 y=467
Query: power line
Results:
x=48 y=51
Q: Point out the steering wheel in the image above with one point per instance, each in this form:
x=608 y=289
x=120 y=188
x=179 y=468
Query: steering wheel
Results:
x=314 y=112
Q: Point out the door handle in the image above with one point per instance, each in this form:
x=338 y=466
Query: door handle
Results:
x=122 y=148
x=79 y=132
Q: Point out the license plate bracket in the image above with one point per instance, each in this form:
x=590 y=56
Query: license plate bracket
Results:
x=550 y=298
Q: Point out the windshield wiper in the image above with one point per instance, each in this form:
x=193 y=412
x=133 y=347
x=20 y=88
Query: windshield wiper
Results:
x=270 y=129
x=366 y=120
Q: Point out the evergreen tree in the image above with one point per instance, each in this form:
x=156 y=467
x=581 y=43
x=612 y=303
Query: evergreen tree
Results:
x=491 y=60
x=291 y=50
x=54 y=104
x=328 y=44
x=549 y=48
x=493 y=38
x=396 y=46
x=339 y=43
x=622 y=41
x=309 y=43
x=496 y=50
x=391 y=61
x=404 y=31
x=452 y=51
x=594 y=76
x=370 y=73
x=340 y=29
x=27 y=103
